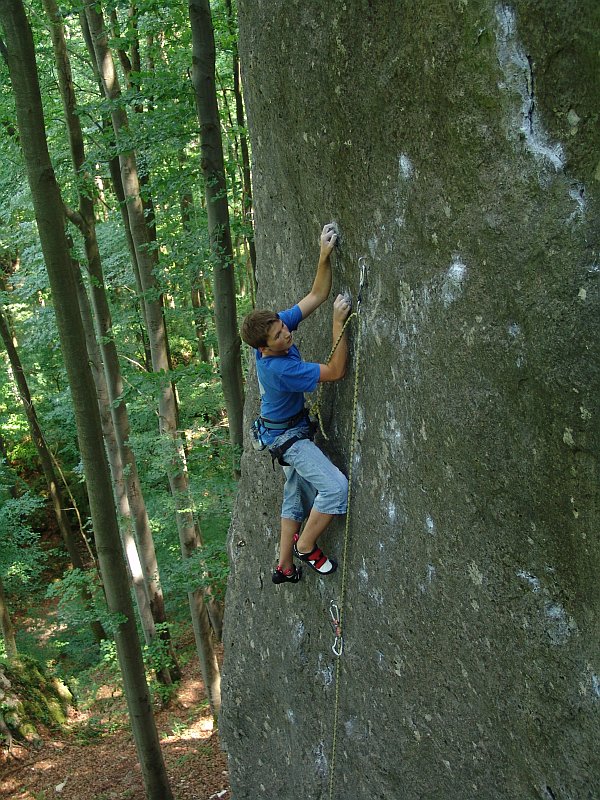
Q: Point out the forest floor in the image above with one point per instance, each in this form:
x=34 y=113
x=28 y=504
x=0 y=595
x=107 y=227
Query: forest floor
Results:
x=94 y=757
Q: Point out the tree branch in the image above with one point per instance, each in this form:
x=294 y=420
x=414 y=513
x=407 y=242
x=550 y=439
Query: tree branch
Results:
x=76 y=218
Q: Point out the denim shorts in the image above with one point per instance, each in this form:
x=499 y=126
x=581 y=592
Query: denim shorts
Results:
x=311 y=480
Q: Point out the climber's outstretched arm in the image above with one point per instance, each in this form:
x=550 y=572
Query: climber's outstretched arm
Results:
x=336 y=368
x=322 y=283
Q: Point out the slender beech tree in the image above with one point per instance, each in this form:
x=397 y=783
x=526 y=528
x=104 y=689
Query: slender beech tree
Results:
x=117 y=182
x=189 y=533
x=8 y=630
x=215 y=187
x=123 y=464
x=130 y=549
x=52 y=480
x=131 y=67
x=240 y=119
x=39 y=441
x=199 y=302
x=50 y=219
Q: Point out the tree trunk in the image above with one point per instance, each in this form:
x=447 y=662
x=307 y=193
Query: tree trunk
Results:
x=8 y=631
x=116 y=426
x=130 y=551
x=203 y=78
x=200 y=314
x=186 y=203
x=241 y=124
x=117 y=182
x=50 y=220
x=52 y=480
x=189 y=534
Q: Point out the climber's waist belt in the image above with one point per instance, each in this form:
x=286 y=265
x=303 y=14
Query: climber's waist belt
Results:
x=277 y=453
x=272 y=425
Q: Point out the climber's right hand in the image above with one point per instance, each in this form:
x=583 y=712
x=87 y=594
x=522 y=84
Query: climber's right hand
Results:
x=341 y=309
x=328 y=240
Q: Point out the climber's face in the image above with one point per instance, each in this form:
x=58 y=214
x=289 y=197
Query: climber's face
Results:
x=279 y=340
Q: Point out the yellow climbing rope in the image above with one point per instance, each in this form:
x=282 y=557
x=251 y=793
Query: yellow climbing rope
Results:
x=337 y=610
x=315 y=409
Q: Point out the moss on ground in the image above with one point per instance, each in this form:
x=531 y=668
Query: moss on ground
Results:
x=30 y=697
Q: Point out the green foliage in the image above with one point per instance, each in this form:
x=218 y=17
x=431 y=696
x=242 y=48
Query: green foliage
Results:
x=163 y=130
x=21 y=558
x=71 y=610
x=208 y=568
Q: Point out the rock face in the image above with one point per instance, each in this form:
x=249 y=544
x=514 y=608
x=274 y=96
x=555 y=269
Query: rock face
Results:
x=457 y=146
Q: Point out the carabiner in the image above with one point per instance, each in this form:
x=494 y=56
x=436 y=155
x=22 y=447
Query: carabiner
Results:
x=362 y=263
x=338 y=644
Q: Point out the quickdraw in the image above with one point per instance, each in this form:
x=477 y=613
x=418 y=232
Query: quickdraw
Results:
x=338 y=645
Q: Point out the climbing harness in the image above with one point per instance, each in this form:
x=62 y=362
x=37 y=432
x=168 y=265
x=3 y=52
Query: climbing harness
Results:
x=336 y=610
x=261 y=424
x=277 y=453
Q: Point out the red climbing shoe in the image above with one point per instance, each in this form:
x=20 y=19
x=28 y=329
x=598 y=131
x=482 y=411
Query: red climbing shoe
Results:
x=292 y=575
x=316 y=559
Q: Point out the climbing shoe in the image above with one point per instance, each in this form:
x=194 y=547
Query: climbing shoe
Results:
x=292 y=575
x=316 y=559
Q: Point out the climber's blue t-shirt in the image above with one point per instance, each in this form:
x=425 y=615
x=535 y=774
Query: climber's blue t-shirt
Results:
x=282 y=380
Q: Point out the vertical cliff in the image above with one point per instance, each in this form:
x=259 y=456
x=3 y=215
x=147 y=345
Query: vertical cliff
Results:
x=457 y=145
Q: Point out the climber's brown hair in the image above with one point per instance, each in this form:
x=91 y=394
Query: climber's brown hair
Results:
x=256 y=325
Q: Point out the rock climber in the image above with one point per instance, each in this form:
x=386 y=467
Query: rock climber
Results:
x=315 y=490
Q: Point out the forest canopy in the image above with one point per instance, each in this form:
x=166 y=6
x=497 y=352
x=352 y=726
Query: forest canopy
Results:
x=161 y=271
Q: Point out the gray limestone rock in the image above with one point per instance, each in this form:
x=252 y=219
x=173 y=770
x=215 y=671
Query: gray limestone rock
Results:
x=457 y=146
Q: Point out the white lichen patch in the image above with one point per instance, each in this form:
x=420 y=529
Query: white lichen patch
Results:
x=325 y=673
x=577 y=195
x=431 y=572
x=475 y=574
x=519 y=78
x=405 y=167
x=321 y=764
x=559 y=625
x=298 y=631
x=533 y=582
x=391 y=511
x=360 y=420
x=568 y=437
x=454 y=279
x=377 y=597
x=590 y=683
x=363 y=575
